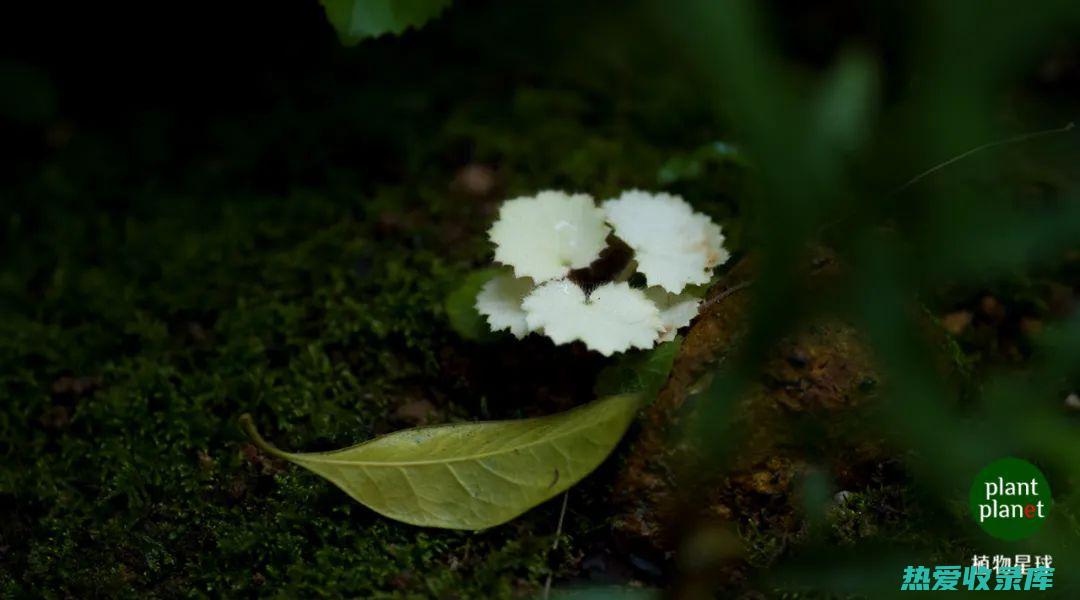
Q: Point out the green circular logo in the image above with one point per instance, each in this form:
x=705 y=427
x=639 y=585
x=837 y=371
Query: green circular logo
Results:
x=1010 y=499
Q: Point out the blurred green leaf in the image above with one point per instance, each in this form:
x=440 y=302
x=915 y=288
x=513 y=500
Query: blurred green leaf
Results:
x=845 y=104
x=693 y=164
x=460 y=307
x=356 y=20
x=471 y=475
x=642 y=371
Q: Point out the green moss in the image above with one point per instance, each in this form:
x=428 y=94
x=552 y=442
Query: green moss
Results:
x=143 y=484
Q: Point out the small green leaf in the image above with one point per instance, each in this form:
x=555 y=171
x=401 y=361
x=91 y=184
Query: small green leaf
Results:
x=845 y=105
x=471 y=475
x=641 y=372
x=356 y=20
x=692 y=165
x=460 y=307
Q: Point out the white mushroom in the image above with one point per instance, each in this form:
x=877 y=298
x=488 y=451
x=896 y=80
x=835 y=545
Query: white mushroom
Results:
x=613 y=318
x=500 y=301
x=673 y=245
x=676 y=311
x=547 y=235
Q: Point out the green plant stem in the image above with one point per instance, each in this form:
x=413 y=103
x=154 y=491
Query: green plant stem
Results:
x=248 y=423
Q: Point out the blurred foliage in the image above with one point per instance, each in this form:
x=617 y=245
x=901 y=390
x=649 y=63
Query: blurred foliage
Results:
x=830 y=157
x=461 y=307
x=268 y=222
x=639 y=371
x=356 y=20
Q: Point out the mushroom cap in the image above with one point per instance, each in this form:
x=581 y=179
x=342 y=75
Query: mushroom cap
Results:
x=546 y=236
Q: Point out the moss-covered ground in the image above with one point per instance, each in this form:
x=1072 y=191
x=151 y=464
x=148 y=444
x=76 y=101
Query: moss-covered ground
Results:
x=170 y=263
